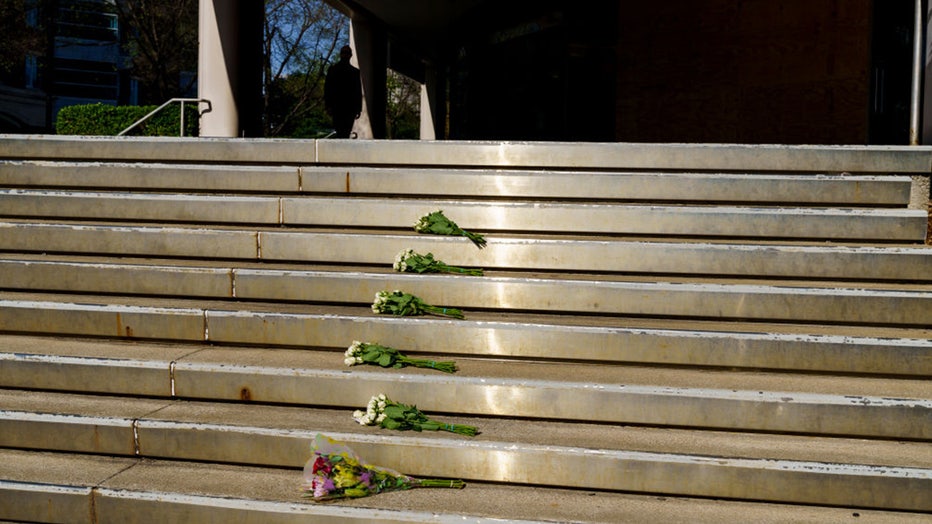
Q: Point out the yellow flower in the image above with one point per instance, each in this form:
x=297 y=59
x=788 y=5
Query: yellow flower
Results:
x=343 y=477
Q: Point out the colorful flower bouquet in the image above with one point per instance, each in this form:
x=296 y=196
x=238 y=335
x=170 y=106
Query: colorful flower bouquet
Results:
x=384 y=412
x=410 y=261
x=378 y=355
x=438 y=224
x=335 y=471
x=404 y=304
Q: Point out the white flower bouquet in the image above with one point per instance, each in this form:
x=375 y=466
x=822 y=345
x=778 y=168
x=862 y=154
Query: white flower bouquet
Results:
x=409 y=261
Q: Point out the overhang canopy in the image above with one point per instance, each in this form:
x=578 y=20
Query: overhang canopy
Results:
x=425 y=26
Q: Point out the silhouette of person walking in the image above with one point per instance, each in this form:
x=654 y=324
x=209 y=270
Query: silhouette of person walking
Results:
x=343 y=94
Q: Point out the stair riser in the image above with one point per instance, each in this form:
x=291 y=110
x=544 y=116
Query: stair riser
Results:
x=202 y=178
x=833 y=159
x=129 y=507
x=67 y=433
x=576 y=296
x=848 y=190
x=792 y=482
x=130 y=241
x=883 y=225
x=136 y=206
x=104 y=321
x=506 y=253
x=496 y=339
x=127 y=377
x=24 y=502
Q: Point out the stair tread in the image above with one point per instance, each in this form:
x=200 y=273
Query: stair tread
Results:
x=635 y=185
x=287 y=362
x=289 y=423
x=620 y=322
x=224 y=485
x=636 y=296
x=563 y=217
x=627 y=395
x=385 y=268
x=516 y=236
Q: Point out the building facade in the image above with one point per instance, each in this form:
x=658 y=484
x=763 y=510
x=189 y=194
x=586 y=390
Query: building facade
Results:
x=740 y=71
x=81 y=62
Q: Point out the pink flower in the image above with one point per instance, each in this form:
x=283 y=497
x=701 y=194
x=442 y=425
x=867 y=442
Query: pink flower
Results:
x=319 y=485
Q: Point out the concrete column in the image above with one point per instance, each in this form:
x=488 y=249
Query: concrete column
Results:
x=927 y=82
x=427 y=119
x=433 y=104
x=370 y=47
x=229 y=67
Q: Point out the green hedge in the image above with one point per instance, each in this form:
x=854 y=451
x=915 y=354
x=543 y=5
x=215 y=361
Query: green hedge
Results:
x=102 y=119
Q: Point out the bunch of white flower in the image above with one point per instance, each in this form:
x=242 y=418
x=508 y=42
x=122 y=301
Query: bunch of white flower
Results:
x=374 y=413
x=401 y=260
x=381 y=302
x=353 y=355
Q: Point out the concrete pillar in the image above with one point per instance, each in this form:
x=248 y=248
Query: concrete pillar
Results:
x=370 y=54
x=428 y=132
x=230 y=67
x=433 y=105
x=927 y=82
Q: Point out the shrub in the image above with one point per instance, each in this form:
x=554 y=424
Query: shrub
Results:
x=102 y=119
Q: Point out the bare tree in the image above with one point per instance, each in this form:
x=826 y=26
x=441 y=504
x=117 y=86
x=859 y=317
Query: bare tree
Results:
x=161 y=37
x=301 y=37
x=20 y=38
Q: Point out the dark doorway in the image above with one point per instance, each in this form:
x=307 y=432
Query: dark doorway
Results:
x=891 y=72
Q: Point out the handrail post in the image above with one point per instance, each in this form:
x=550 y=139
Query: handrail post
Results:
x=918 y=63
x=156 y=110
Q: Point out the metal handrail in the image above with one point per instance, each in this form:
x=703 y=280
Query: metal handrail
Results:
x=157 y=109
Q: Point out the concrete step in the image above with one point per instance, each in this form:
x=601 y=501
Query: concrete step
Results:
x=629 y=340
x=598 y=393
x=587 y=456
x=767 y=301
x=770 y=259
x=549 y=155
x=560 y=184
x=806 y=347
x=60 y=487
x=558 y=217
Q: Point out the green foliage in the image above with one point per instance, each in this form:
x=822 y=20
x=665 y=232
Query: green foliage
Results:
x=294 y=106
x=402 y=111
x=107 y=120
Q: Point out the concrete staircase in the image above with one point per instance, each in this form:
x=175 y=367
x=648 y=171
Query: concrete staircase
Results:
x=664 y=332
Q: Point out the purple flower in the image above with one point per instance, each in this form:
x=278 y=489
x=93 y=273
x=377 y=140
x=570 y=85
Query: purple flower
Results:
x=364 y=479
x=320 y=486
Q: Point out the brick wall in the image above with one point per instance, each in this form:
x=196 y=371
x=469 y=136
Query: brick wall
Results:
x=745 y=71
